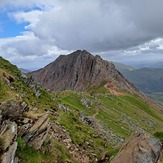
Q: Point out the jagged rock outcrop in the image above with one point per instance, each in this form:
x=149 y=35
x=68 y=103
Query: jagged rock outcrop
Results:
x=8 y=144
x=32 y=84
x=139 y=148
x=36 y=135
x=80 y=70
x=12 y=109
x=13 y=124
x=9 y=156
x=8 y=133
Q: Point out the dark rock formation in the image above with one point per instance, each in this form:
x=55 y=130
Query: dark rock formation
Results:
x=80 y=70
x=140 y=148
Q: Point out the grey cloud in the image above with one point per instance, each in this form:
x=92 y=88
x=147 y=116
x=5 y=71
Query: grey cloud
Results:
x=101 y=25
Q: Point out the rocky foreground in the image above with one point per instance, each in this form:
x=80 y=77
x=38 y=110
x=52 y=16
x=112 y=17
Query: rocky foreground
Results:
x=17 y=121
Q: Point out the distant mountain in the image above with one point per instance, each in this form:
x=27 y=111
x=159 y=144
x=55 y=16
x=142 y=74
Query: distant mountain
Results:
x=24 y=70
x=122 y=67
x=148 y=80
x=81 y=70
x=154 y=64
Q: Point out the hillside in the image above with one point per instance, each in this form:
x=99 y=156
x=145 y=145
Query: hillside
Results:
x=69 y=126
x=148 y=80
x=122 y=67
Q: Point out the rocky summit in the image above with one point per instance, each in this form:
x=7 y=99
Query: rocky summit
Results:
x=80 y=71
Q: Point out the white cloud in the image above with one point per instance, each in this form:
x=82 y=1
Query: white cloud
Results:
x=95 y=25
x=28 y=51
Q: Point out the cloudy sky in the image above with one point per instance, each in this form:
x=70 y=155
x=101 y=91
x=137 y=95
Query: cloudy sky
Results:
x=34 y=32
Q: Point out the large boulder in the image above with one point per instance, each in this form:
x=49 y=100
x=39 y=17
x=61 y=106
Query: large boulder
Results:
x=8 y=144
x=139 y=148
x=36 y=135
x=9 y=156
x=12 y=109
x=8 y=134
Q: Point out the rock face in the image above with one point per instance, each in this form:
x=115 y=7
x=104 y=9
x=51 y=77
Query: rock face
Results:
x=13 y=124
x=9 y=156
x=80 y=70
x=140 y=148
x=8 y=133
x=12 y=109
x=36 y=135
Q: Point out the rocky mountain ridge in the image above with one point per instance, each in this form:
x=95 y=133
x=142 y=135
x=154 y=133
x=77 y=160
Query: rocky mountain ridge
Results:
x=80 y=71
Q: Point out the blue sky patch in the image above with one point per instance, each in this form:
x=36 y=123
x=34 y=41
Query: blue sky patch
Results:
x=10 y=28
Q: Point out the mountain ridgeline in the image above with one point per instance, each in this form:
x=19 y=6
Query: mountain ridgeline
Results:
x=80 y=71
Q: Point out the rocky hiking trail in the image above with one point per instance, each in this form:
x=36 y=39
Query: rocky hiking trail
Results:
x=62 y=136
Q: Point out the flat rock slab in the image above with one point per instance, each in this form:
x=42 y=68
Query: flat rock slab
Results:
x=139 y=148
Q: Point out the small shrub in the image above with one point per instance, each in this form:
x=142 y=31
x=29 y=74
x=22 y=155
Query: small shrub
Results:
x=21 y=143
x=159 y=135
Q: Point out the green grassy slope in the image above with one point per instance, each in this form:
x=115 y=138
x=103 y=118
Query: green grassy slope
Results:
x=17 y=89
x=115 y=118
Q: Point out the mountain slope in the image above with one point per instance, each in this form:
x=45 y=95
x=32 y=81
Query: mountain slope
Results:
x=69 y=126
x=79 y=71
x=122 y=67
x=148 y=80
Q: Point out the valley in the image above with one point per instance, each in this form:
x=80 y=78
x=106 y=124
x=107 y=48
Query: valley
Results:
x=148 y=80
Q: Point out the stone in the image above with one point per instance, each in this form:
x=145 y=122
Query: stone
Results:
x=32 y=84
x=26 y=120
x=24 y=106
x=37 y=134
x=139 y=148
x=37 y=142
x=23 y=129
x=11 y=109
x=16 y=160
x=9 y=156
x=8 y=133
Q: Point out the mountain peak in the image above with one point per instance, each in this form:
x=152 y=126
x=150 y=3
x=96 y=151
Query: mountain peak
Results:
x=80 y=70
x=81 y=53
